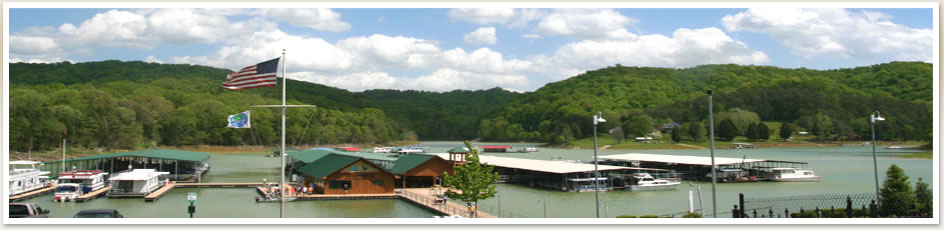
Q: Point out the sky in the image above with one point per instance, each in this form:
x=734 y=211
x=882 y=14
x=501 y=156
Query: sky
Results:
x=443 y=49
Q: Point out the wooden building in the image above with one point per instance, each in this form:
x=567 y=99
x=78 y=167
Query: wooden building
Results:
x=420 y=170
x=343 y=174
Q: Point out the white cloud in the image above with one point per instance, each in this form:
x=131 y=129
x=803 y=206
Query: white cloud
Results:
x=33 y=45
x=378 y=52
x=686 y=48
x=39 y=60
x=531 y=36
x=319 y=19
x=586 y=24
x=483 y=60
x=354 y=82
x=303 y=54
x=483 y=35
x=439 y=80
x=835 y=33
x=152 y=59
x=512 y=18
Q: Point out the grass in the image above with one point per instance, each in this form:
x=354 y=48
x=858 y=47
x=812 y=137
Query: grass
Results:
x=924 y=155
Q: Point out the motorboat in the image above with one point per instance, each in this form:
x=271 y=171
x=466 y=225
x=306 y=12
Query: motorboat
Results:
x=26 y=177
x=528 y=150
x=136 y=183
x=410 y=150
x=75 y=183
x=732 y=175
x=793 y=175
x=645 y=182
x=382 y=150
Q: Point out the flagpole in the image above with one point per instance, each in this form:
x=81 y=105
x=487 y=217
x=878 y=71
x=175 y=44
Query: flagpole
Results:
x=282 y=151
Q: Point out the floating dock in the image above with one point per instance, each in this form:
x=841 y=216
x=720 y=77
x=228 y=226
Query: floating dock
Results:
x=171 y=186
x=93 y=194
x=694 y=167
x=426 y=198
x=51 y=187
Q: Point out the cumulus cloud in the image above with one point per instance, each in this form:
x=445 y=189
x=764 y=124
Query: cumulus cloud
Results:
x=531 y=36
x=303 y=54
x=152 y=59
x=484 y=35
x=512 y=18
x=319 y=19
x=378 y=52
x=835 y=33
x=586 y=24
x=686 y=48
x=439 y=80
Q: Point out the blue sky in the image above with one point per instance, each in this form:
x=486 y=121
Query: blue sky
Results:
x=440 y=49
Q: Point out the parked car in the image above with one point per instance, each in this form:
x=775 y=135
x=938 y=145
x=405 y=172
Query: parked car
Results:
x=27 y=210
x=98 y=213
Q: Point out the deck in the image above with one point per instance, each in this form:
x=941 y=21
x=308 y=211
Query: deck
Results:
x=93 y=194
x=171 y=186
x=426 y=197
x=51 y=187
x=263 y=191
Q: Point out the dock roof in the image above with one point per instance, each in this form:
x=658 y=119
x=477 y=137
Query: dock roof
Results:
x=677 y=159
x=167 y=154
x=559 y=167
x=327 y=164
x=409 y=161
x=309 y=156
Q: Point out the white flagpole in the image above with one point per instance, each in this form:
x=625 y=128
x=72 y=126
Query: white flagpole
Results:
x=282 y=151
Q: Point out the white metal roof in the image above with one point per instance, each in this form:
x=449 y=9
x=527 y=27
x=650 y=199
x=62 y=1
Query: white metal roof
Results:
x=561 y=167
x=138 y=174
x=25 y=162
x=678 y=159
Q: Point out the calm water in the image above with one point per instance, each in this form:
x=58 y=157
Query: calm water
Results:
x=843 y=170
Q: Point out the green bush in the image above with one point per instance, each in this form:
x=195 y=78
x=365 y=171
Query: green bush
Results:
x=692 y=215
x=648 y=216
x=625 y=216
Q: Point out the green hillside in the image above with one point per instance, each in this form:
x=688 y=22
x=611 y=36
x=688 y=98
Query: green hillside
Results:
x=627 y=96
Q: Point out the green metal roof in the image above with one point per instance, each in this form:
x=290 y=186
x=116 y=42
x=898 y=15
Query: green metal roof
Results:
x=409 y=161
x=458 y=150
x=369 y=156
x=326 y=165
x=309 y=156
x=167 y=154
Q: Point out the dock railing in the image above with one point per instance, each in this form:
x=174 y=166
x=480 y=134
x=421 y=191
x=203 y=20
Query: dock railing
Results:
x=437 y=205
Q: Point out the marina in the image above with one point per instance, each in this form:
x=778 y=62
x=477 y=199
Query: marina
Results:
x=699 y=168
x=846 y=173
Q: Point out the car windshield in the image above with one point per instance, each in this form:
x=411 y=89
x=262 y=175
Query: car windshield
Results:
x=94 y=215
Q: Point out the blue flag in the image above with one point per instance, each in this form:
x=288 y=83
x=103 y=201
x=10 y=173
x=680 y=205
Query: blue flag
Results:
x=240 y=120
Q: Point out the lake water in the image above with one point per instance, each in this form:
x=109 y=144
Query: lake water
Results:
x=844 y=170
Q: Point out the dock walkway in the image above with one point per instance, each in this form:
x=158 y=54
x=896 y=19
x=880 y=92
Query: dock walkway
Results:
x=51 y=187
x=171 y=186
x=93 y=194
x=427 y=198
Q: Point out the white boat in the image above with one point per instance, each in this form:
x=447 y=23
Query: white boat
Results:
x=136 y=183
x=25 y=177
x=895 y=147
x=645 y=182
x=528 y=149
x=76 y=183
x=382 y=150
x=792 y=174
x=410 y=149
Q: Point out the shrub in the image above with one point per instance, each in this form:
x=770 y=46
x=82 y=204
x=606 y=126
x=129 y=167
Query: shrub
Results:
x=648 y=216
x=692 y=215
x=625 y=216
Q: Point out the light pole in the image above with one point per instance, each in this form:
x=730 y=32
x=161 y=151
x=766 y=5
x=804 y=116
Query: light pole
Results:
x=596 y=172
x=711 y=133
x=543 y=201
x=876 y=116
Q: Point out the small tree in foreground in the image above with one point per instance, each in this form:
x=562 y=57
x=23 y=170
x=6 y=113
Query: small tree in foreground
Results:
x=924 y=197
x=896 y=195
x=474 y=180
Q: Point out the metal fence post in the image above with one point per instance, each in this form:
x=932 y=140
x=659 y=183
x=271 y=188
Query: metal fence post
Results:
x=735 y=212
x=741 y=203
x=786 y=213
x=848 y=207
x=872 y=209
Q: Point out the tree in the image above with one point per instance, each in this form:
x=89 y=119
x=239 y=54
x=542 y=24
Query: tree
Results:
x=726 y=130
x=924 y=197
x=618 y=134
x=751 y=132
x=695 y=130
x=896 y=195
x=739 y=117
x=638 y=125
x=763 y=132
x=786 y=130
x=473 y=179
x=677 y=135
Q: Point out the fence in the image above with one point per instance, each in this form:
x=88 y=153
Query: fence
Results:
x=781 y=207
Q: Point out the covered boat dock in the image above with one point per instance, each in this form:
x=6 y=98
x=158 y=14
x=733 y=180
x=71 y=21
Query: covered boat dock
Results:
x=557 y=175
x=695 y=167
x=182 y=165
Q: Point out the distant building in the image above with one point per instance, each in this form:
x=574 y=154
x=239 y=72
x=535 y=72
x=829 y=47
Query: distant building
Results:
x=498 y=148
x=668 y=127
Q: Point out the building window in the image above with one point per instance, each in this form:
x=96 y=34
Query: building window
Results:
x=339 y=184
x=377 y=182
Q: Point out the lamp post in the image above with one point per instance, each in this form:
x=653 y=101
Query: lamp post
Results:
x=876 y=116
x=544 y=202
x=711 y=133
x=596 y=172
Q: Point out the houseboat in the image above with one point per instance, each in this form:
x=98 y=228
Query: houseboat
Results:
x=793 y=175
x=76 y=183
x=498 y=149
x=732 y=175
x=382 y=150
x=645 y=182
x=136 y=183
x=410 y=150
x=528 y=150
x=25 y=177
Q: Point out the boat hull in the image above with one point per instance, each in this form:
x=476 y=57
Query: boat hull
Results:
x=798 y=179
x=652 y=187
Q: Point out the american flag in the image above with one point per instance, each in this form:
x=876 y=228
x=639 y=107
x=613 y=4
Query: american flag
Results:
x=258 y=75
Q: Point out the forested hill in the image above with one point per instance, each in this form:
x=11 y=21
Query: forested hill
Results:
x=135 y=104
x=633 y=97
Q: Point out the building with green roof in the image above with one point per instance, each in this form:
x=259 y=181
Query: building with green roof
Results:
x=333 y=173
x=179 y=163
x=420 y=170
